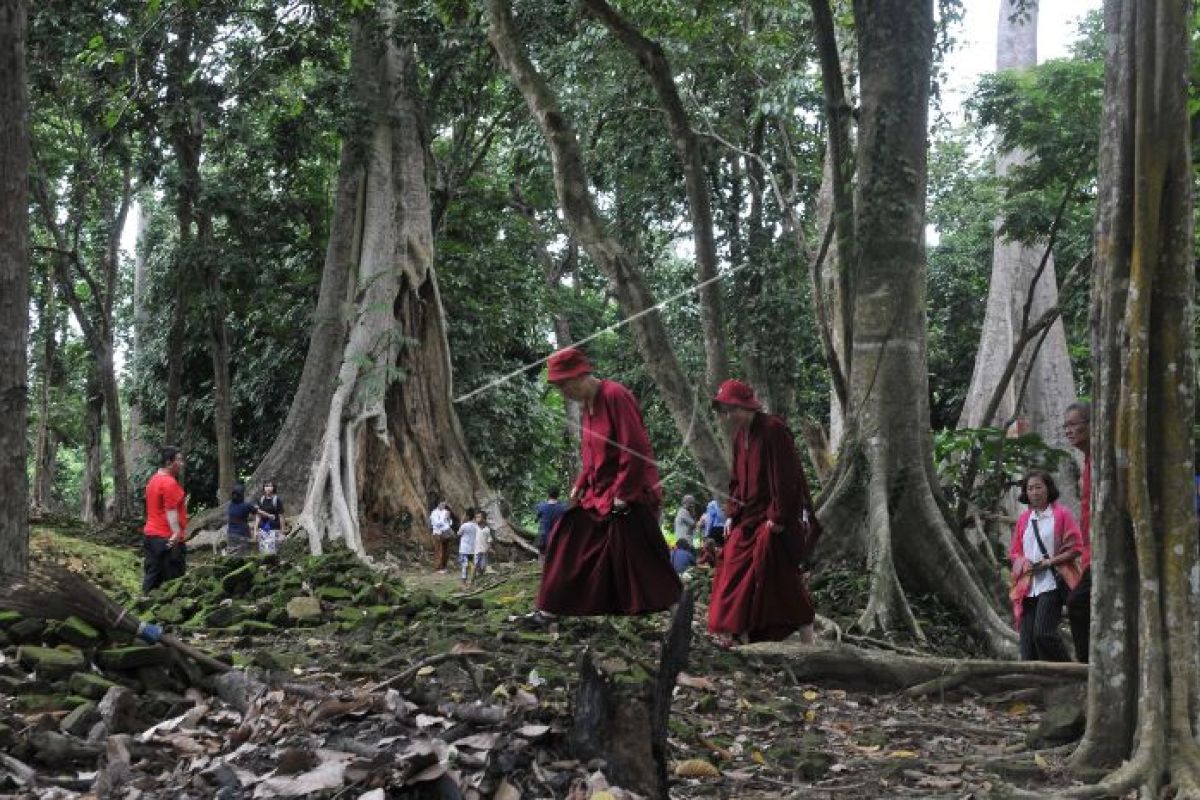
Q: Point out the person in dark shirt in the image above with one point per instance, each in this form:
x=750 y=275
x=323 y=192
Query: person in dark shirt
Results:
x=237 y=542
x=548 y=511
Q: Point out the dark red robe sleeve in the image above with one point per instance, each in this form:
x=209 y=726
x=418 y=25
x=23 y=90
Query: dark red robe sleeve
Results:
x=783 y=476
x=633 y=447
x=733 y=502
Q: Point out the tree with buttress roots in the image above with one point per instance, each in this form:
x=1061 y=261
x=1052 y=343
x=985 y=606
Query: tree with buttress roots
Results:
x=372 y=437
x=885 y=495
x=1143 y=701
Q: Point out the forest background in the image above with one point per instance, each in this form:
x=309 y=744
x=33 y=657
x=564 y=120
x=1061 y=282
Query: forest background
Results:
x=229 y=148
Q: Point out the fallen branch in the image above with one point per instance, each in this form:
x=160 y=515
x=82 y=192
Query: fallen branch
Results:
x=866 y=669
x=404 y=678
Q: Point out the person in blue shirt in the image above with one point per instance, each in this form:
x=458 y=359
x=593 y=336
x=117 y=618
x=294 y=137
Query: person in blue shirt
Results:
x=548 y=512
x=714 y=522
x=237 y=541
x=682 y=557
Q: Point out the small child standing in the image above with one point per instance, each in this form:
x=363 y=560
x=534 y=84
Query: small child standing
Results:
x=483 y=542
x=466 y=550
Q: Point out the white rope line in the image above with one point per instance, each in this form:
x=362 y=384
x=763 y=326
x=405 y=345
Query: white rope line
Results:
x=718 y=494
x=659 y=306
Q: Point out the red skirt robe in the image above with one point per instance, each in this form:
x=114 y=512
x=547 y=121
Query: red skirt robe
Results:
x=598 y=562
x=757 y=590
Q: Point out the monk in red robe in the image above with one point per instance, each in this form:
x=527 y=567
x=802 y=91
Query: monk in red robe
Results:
x=606 y=554
x=759 y=592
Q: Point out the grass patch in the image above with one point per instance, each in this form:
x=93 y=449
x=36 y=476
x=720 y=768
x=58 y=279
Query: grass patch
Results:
x=116 y=570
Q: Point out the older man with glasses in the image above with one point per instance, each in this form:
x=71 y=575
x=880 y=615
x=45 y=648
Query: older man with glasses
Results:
x=1077 y=424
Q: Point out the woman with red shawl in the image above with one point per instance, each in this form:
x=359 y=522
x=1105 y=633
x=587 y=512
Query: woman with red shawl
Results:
x=759 y=592
x=606 y=554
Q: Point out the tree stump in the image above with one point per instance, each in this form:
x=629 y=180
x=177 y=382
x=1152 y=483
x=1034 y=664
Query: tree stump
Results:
x=621 y=709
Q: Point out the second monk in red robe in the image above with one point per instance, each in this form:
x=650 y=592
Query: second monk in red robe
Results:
x=758 y=591
x=606 y=554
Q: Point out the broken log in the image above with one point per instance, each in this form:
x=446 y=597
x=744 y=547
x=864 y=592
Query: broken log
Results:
x=621 y=710
x=857 y=668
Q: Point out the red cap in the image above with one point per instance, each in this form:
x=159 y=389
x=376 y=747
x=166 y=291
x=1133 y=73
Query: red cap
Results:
x=736 y=393
x=566 y=364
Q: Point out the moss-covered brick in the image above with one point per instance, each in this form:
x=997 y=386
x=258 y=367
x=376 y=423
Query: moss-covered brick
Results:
x=239 y=581
x=252 y=627
x=50 y=661
x=333 y=593
x=75 y=631
x=42 y=702
x=350 y=614
x=128 y=658
x=29 y=629
x=221 y=616
x=80 y=720
x=304 y=608
x=173 y=613
x=89 y=685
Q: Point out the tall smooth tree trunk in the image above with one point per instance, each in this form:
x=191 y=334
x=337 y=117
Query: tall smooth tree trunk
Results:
x=885 y=494
x=45 y=447
x=91 y=500
x=14 y=287
x=1143 y=696
x=688 y=149
x=218 y=348
x=391 y=441
x=1050 y=386
x=589 y=229
x=123 y=505
x=138 y=451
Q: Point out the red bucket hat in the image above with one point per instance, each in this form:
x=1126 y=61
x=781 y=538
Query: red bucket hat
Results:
x=735 y=393
x=566 y=364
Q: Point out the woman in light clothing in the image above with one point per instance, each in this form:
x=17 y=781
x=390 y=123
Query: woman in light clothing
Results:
x=1045 y=549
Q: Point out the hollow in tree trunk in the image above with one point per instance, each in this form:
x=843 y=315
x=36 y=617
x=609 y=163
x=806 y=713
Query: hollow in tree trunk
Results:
x=389 y=442
x=885 y=494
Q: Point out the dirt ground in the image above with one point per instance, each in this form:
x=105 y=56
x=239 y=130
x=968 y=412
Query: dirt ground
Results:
x=741 y=716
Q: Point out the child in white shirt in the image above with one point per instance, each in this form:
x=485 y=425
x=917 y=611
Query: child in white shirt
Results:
x=483 y=542
x=466 y=549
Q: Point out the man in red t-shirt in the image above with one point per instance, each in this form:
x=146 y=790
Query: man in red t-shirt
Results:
x=164 y=554
x=1077 y=424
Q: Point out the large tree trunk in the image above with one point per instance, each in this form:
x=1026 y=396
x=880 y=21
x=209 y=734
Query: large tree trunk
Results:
x=628 y=284
x=1050 y=384
x=654 y=63
x=391 y=441
x=1142 y=696
x=14 y=287
x=886 y=494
